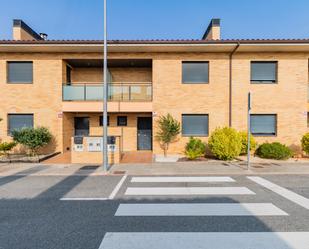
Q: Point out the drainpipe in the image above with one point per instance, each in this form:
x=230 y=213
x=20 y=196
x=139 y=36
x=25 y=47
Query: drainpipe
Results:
x=230 y=83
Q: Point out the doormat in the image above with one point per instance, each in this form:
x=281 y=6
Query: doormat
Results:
x=90 y=167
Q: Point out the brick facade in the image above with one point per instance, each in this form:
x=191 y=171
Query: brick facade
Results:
x=43 y=98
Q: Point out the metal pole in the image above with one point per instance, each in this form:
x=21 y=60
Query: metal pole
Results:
x=249 y=133
x=105 y=152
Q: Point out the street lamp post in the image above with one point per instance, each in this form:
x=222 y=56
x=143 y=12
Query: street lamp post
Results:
x=105 y=150
x=249 y=132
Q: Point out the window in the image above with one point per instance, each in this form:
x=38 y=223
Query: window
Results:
x=101 y=121
x=195 y=125
x=20 y=72
x=19 y=121
x=263 y=124
x=264 y=72
x=122 y=120
x=195 y=72
x=81 y=126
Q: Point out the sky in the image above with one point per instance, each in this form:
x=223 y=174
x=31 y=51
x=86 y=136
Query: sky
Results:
x=158 y=19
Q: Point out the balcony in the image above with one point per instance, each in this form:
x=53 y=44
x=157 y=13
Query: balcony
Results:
x=122 y=97
x=121 y=92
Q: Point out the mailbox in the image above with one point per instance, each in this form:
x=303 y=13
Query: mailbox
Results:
x=111 y=140
x=78 y=140
x=94 y=144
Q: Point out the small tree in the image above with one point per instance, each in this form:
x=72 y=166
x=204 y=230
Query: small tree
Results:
x=169 y=128
x=32 y=138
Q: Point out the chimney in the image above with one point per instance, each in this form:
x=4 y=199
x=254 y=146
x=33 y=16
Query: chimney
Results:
x=213 y=30
x=21 y=31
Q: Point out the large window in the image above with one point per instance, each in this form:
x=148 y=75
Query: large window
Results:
x=263 y=72
x=195 y=72
x=19 y=121
x=263 y=124
x=195 y=125
x=20 y=72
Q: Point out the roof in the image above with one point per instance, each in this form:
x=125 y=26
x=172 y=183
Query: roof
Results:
x=160 y=41
x=155 y=46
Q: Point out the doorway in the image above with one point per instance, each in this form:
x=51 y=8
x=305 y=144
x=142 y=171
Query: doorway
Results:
x=144 y=133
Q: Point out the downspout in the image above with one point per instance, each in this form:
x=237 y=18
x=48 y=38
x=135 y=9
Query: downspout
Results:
x=230 y=83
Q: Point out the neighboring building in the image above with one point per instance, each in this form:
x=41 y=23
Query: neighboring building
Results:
x=203 y=83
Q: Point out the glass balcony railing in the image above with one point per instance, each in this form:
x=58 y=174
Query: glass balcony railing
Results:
x=116 y=92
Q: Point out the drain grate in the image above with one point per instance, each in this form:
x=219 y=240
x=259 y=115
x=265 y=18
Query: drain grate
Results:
x=89 y=167
x=119 y=172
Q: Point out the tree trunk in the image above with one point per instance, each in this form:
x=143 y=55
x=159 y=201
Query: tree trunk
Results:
x=165 y=150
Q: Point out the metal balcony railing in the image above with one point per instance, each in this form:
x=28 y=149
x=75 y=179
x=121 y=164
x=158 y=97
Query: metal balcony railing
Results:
x=116 y=92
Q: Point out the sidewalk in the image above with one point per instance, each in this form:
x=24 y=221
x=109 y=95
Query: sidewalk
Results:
x=181 y=168
x=212 y=168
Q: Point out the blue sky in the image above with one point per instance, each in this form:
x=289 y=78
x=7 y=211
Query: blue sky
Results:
x=158 y=19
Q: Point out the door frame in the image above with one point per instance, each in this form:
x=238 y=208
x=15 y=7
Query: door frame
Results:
x=151 y=138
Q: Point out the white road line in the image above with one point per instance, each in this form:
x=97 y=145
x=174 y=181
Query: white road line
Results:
x=200 y=209
x=190 y=191
x=288 y=194
x=217 y=240
x=183 y=179
x=83 y=199
x=112 y=195
x=116 y=189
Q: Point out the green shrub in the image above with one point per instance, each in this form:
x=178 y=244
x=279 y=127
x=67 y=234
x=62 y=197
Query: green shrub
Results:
x=274 y=151
x=225 y=143
x=305 y=143
x=5 y=147
x=244 y=142
x=32 y=138
x=195 y=148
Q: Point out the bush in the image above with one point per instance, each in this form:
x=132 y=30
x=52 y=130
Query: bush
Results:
x=225 y=143
x=195 y=148
x=305 y=143
x=244 y=142
x=5 y=147
x=274 y=150
x=32 y=138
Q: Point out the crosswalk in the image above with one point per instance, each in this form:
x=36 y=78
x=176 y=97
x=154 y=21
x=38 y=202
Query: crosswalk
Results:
x=164 y=188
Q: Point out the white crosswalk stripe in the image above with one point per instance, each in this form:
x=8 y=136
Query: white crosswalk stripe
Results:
x=219 y=240
x=205 y=240
x=200 y=209
x=190 y=191
x=183 y=179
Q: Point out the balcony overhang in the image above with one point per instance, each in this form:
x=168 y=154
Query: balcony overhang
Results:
x=97 y=106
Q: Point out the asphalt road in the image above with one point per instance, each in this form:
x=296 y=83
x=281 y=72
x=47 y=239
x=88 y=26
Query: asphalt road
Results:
x=97 y=212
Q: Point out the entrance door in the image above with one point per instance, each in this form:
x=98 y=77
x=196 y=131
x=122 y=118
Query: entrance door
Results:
x=81 y=126
x=144 y=133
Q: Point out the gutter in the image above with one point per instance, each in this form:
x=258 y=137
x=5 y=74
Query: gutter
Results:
x=230 y=82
